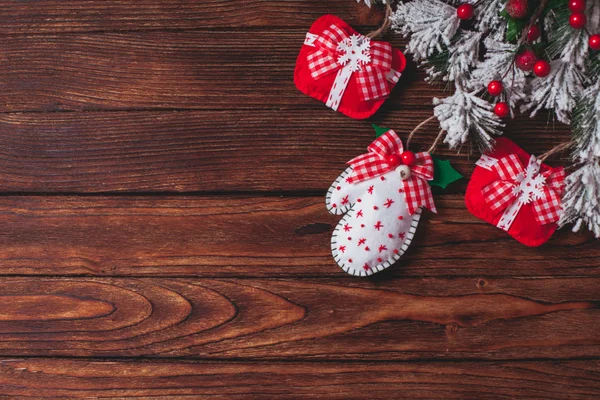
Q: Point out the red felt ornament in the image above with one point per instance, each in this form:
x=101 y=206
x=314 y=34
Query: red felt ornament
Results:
x=465 y=11
x=577 y=6
x=595 y=42
x=577 y=20
x=517 y=9
x=534 y=33
x=502 y=109
x=517 y=193
x=541 y=68
x=526 y=60
x=495 y=88
x=347 y=71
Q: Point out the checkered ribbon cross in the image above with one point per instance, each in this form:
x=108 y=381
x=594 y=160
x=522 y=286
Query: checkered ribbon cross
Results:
x=518 y=186
x=351 y=57
x=416 y=189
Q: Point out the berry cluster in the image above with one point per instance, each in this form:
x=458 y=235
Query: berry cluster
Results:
x=578 y=18
x=527 y=60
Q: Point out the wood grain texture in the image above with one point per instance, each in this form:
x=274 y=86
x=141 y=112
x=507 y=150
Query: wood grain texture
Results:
x=173 y=70
x=564 y=380
x=211 y=151
x=190 y=277
x=49 y=16
x=254 y=237
x=402 y=319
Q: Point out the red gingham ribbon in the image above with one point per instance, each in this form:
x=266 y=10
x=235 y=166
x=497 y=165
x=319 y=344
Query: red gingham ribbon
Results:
x=371 y=79
x=374 y=163
x=501 y=193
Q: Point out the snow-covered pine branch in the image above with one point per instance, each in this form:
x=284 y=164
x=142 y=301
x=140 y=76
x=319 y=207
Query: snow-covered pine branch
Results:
x=569 y=50
x=465 y=113
x=487 y=17
x=556 y=92
x=498 y=65
x=463 y=55
x=568 y=44
x=580 y=201
x=586 y=124
x=431 y=24
x=456 y=61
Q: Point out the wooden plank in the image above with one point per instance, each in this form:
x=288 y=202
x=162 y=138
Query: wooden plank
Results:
x=572 y=380
x=402 y=319
x=48 y=16
x=210 y=151
x=254 y=237
x=194 y=70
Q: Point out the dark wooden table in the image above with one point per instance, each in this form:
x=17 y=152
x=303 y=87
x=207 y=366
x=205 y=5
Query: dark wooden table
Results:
x=163 y=230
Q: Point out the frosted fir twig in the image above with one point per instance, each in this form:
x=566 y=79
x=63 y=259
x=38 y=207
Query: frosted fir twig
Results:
x=465 y=113
x=463 y=55
x=498 y=64
x=429 y=23
x=568 y=44
x=593 y=15
x=580 y=200
x=487 y=16
x=586 y=124
x=557 y=91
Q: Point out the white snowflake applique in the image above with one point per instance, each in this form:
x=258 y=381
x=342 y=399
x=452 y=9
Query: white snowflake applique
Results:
x=355 y=52
x=530 y=184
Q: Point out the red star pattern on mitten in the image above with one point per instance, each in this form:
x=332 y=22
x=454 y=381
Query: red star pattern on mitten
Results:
x=376 y=229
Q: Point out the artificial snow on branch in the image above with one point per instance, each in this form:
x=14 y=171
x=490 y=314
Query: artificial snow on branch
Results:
x=566 y=43
x=498 y=65
x=487 y=17
x=463 y=113
x=580 y=202
x=586 y=124
x=557 y=91
x=429 y=23
x=463 y=55
x=455 y=61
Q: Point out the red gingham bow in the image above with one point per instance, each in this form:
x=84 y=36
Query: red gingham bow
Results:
x=542 y=189
x=371 y=75
x=374 y=163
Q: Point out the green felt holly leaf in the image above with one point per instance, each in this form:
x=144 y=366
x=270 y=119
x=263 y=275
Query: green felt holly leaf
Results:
x=444 y=173
x=379 y=130
x=514 y=29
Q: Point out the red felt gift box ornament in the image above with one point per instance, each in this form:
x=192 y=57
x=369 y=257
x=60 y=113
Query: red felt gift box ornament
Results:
x=517 y=193
x=347 y=71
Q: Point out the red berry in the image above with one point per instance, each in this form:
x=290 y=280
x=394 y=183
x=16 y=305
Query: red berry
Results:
x=502 y=109
x=577 y=20
x=541 y=68
x=595 y=42
x=577 y=5
x=526 y=60
x=517 y=9
x=408 y=158
x=393 y=160
x=495 y=88
x=534 y=33
x=465 y=11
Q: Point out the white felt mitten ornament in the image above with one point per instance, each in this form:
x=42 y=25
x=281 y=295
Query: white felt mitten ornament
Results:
x=381 y=193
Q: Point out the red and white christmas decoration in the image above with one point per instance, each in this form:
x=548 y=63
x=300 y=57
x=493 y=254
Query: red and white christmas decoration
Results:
x=517 y=193
x=381 y=195
x=347 y=71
